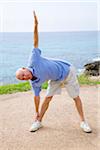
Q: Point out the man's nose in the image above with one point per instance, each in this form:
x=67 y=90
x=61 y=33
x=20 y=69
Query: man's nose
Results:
x=25 y=77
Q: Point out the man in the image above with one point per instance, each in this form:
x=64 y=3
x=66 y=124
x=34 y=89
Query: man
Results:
x=57 y=72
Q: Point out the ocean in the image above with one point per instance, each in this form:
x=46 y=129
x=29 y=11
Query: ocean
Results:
x=77 y=48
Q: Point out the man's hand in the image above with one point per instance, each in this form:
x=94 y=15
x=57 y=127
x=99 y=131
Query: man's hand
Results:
x=35 y=40
x=35 y=18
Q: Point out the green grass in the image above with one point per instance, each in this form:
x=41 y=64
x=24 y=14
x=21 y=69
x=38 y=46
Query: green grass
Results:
x=83 y=79
x=13 y=88
x=20 y=87
x=25 y=86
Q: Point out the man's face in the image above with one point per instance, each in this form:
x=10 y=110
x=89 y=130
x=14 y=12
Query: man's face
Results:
x=23 y=74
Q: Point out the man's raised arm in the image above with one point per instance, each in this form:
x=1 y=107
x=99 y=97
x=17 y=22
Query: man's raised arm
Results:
x=35 y=40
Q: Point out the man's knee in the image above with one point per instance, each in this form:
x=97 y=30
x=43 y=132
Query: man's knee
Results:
x=48 y=99
x=77 y=98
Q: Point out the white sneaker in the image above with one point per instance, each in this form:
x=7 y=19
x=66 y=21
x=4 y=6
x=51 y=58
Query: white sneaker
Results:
x=85 y=127
x=35 y=126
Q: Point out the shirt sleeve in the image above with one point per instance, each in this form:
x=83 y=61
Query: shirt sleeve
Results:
x=36 y=89
x=34 y=57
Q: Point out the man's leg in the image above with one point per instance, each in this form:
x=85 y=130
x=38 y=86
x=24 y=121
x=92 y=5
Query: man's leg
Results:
x=72 y=87
x=37 y=124
x=84 y=125
x=36 y=102
x=79 y=107
x=44 y=107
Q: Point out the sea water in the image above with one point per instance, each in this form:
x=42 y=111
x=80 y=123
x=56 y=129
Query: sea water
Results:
x=75 y=47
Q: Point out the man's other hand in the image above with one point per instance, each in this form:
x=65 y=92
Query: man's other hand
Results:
x=35 y=18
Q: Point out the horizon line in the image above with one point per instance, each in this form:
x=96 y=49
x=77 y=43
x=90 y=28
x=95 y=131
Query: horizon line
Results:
x=49 y=31
x=44 y=1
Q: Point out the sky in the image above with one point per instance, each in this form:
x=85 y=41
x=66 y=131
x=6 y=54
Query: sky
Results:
x=52 y=15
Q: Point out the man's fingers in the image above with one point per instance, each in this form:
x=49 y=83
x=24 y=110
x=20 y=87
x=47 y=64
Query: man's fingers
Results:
x=35 y=17
x=34 y=13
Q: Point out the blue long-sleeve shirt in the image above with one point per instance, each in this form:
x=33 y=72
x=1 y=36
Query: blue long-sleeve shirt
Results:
x=45 y=69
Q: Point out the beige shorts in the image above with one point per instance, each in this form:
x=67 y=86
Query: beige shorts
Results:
x=70 y=83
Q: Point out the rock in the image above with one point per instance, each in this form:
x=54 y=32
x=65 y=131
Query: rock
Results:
x=92 y=68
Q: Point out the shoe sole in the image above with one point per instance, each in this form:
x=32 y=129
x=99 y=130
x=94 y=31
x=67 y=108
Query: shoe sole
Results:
x=86 y=131
x=35 y=129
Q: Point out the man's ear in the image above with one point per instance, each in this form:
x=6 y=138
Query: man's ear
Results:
x=23 y=68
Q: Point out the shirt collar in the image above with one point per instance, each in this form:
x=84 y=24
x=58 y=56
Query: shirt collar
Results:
x=32 y=71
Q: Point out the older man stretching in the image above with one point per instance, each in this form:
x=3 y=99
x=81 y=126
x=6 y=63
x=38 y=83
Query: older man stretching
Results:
x=56 y=72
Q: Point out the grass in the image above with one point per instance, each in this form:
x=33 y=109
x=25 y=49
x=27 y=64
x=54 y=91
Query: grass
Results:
x=20 y=87
x=13 y=88
x=25 y=86
x=86 y=80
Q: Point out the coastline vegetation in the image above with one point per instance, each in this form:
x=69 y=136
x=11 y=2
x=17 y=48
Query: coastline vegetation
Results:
x=25 y=86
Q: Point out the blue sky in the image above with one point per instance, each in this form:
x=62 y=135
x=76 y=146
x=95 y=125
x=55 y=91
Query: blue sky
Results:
x=53 y=16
